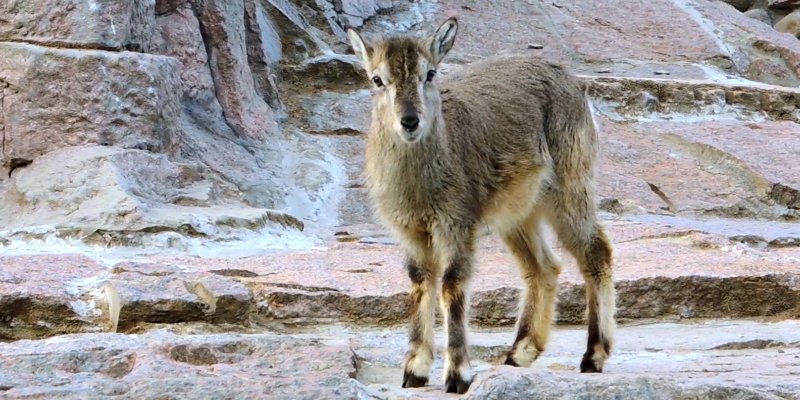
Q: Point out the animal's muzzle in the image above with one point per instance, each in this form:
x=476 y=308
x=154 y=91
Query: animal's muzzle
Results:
x=410 y=119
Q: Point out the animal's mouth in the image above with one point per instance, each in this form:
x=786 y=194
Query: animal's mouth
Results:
x=414 y=135
x=410 y=137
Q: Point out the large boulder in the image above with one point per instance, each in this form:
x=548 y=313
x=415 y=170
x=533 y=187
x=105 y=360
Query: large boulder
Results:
x=42 y=296
x=105 y=24
x=53 y=98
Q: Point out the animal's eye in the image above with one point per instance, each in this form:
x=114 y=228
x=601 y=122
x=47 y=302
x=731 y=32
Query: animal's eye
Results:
x=431 y=74
x=377 y=80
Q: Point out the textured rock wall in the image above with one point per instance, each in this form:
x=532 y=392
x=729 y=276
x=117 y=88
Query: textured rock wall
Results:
x=261 y=99
x=184 y=85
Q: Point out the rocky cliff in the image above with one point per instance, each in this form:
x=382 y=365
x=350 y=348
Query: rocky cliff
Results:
x=168 y=153
x=129 y=123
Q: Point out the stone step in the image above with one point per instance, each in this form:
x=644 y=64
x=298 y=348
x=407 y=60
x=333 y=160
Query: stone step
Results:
x=651 y=360
x=660 y=98
x=662 y=270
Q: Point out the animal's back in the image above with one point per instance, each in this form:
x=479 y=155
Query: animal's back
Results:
x=517 y=121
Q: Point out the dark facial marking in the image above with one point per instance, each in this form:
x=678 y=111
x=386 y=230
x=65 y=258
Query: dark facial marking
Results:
x=403 y=58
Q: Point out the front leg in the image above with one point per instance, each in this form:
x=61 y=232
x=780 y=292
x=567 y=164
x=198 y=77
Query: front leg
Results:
x=420 y=336
x=455 y=304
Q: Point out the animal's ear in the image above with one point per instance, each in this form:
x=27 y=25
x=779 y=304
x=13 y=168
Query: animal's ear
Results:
x=361 y=49
x=442 y=41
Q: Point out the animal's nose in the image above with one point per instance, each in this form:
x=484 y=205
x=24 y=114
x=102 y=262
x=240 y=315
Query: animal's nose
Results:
x=410 y=122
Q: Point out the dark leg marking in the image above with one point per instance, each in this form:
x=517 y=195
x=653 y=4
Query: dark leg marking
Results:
x=597 y=273
x=454 y=301
x=421 y=320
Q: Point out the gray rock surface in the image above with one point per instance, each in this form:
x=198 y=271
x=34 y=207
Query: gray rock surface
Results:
x=161 y=363
x=184 y=168
x=739 y=359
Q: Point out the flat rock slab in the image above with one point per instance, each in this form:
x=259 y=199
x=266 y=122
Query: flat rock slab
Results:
x=728 y=359
x=46 y=295
x=728 y=167
x=160 y=363
x=650 y=360
x=666 y=267
x=721 y=97
x=571 y=29
x=629 y=38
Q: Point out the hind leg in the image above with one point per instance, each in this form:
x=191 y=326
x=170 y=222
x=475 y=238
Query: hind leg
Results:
x=575 y=220
x=539 y=269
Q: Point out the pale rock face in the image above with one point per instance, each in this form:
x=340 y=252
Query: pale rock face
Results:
x=790 y=24
x=93 y=24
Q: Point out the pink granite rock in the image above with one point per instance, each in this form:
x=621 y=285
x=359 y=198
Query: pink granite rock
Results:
x=54 y=98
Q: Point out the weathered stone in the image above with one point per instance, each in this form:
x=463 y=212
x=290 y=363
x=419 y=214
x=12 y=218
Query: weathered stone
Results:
x=692 y=97
x=108 y=24
x=168 y=6
x=299 y=37
x=649 y=360
x=134 y=198
x=159 y=364
x=585 y=31
x=790 y=24
x=737 y=174
x=353 y=13
x=517 y=383
x=316 y=178
x=778 y=4
x=55 y=98
x=203 y=132
x=225 y=37
x=179 y=36
x=759 y=14
x=758 y=52
x=329 y=71
x=164 y=293
x=365 y=283
x=48 y=295
x=333 y=113
x=263 y=51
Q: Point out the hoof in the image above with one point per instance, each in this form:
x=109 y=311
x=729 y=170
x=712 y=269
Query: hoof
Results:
x=454 y=384
x=412 y=381
x=510 y=361
x=588 y=366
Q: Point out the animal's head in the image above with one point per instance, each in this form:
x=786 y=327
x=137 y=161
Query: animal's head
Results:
x=402 y=71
